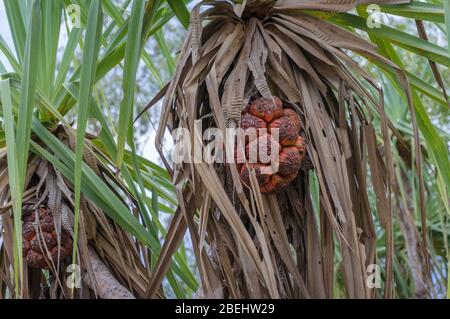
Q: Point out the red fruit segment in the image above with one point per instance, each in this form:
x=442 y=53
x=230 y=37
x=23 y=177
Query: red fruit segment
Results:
x=263 y=150
x=249 y=121
x=36 y=260
x=40 y=238
x=290 y=161
x=43 y=241
x=277 y=184
x=281 y=144
x=252 y=127
x=287 y=131
x=28 y=231
x=267 y=109
x=293 y=118
x=300 y=144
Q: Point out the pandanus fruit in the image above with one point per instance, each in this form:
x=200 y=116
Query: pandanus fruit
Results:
x=277 y=139
x=40 y=239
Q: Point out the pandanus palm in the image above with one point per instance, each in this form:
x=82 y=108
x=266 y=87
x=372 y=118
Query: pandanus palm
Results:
x=367 y=173
x=79 y=214
x=250 y=244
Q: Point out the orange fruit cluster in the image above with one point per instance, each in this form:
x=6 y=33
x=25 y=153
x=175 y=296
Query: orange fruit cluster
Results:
x=40 y=238
x=290 y=147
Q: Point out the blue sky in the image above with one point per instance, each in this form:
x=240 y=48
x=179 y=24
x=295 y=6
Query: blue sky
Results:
x=4 y=31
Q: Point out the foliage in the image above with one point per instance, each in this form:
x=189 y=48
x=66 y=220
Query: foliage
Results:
x=41 y=92
x=44 y=89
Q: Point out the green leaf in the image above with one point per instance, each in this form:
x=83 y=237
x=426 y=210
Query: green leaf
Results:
x=132 y=57
x=9 y=55
x=434 y=142
x=16 y=25
x=165 y=51
x=416 y=10
x=181 y=11
x=15 y=185
x=69 y=52
x=28 y=88
x=51 y=22
x=87 y=80
x=18 y=145
x=394 y=36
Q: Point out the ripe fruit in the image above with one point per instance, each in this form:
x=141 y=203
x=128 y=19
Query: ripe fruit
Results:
x=264 y=149
x=288 y=151
x=277 y=184
x=289 y=161
x=287 y=131
x=40 y=240
x=293 y=118
x=252 y=122
x=266 y=109
x=300 y=144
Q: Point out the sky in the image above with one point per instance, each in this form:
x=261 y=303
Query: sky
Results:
x=4 y=31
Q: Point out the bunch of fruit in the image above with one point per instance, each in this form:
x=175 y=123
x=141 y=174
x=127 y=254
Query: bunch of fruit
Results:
x=277 y=138
x=40 y=241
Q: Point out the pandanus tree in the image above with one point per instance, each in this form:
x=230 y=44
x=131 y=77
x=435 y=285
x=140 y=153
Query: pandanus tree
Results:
x=364 y=175
x=254 y=239
x=79 y=213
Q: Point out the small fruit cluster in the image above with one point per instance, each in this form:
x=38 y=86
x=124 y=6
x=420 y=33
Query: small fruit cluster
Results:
x=287 y=148
x=40 y=240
